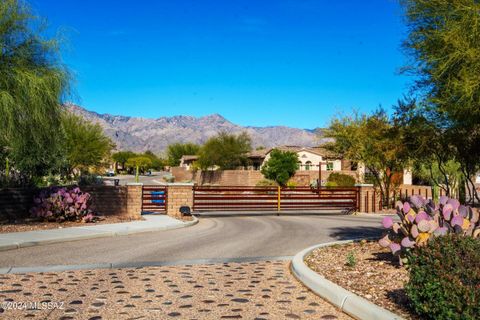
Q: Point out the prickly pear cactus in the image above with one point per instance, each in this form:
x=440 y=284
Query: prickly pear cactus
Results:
x=422 y=219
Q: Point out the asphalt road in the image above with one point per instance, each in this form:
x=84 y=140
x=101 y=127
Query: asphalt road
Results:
x=212 y=238
x=154 y=178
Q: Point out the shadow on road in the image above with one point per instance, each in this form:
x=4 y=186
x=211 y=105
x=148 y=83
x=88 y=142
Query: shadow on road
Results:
x=346 y=233
x=220 y=214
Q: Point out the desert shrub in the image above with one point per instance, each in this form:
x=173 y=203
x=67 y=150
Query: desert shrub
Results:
x=90 y=180
x=338 y=179
x=422 y=220
x=62 y=204
x=266 y=183
x=169 y=178
x=291 y=184
x=445 y=279
x=351 y=259
x=331 y=184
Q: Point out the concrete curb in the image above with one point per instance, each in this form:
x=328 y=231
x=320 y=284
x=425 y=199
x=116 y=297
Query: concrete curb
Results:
x=92 y=235
x=348 y=302
x=137 y=264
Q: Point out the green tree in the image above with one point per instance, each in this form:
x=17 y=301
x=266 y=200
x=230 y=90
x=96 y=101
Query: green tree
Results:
x=444 y=46
x=429 y=146
x=139 y=164
x=446 y=176
x=157 y=163
x=373 y=141
x=85 y=144
x=177 y=150
x=280 y=167
x=227 y=151
x=122 y=157
x=32 y=84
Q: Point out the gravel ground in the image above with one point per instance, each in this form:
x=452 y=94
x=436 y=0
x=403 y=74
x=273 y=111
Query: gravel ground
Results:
x=376 y=274
x=22 y=225
x=255 y=290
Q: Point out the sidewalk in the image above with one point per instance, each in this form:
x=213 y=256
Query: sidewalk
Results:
x=17 y=240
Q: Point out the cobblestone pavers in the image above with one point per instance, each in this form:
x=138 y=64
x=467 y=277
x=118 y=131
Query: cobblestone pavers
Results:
x=253 y=290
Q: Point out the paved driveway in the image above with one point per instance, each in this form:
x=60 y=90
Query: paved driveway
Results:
x=214 y=239
x=253 y=290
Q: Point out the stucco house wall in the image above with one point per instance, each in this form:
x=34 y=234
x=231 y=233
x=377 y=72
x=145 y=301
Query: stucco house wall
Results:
x=309 y=161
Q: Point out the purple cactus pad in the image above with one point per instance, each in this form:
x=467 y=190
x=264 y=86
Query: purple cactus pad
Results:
x=395 y=247
x=387 y=222
x=457 y=221
x=407 y=243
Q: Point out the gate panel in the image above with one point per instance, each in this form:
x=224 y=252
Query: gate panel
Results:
x=213 y=198
x=154 y=199
x=234 y=198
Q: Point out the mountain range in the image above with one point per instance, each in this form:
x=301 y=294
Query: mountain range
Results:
x=141 y=134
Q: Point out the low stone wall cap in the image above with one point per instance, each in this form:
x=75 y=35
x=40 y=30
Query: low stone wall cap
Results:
x=363 y=185
x=134 y=184
x=181 y=184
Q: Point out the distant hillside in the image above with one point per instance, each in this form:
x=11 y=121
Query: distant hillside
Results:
x=141 y=134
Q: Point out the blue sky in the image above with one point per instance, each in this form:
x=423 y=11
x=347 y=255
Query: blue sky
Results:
x=259 y=63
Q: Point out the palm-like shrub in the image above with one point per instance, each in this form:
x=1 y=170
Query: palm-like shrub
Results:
x=62 y=204
x=421 y=220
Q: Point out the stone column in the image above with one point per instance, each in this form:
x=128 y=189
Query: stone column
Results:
x=366 y=198
x=134 y=199
x=179 y=194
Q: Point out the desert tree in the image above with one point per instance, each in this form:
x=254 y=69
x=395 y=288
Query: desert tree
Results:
x=85 y=144
x=443 y=45
x=33 y=82
x=225 y=151
x=373 y=141
x=280 y=166
x=176 y=151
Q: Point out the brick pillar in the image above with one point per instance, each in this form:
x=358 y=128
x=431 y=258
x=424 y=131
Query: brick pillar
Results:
x=134 y=199
x=366 y=198
x=179 y=194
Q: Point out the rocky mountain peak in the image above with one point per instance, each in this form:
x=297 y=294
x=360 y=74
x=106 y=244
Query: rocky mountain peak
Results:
x=141 y=134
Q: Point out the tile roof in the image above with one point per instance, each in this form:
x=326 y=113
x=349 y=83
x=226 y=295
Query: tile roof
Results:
x=321 y=151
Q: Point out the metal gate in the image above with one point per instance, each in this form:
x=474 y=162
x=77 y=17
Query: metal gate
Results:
x=237 y=198
x=154 y=199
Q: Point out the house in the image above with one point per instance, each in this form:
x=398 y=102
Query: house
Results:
x=187 y=161
x=255 y=160
x=310 y=158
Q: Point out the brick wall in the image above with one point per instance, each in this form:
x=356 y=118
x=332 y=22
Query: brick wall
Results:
x=125 y=201
x=228 y=177
x=106 y=200
x=15 y=203
x=134 y=200
x=179 y=194
x=304 y=178
x=245 y=177
x=367 y=196
x=181 y=174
